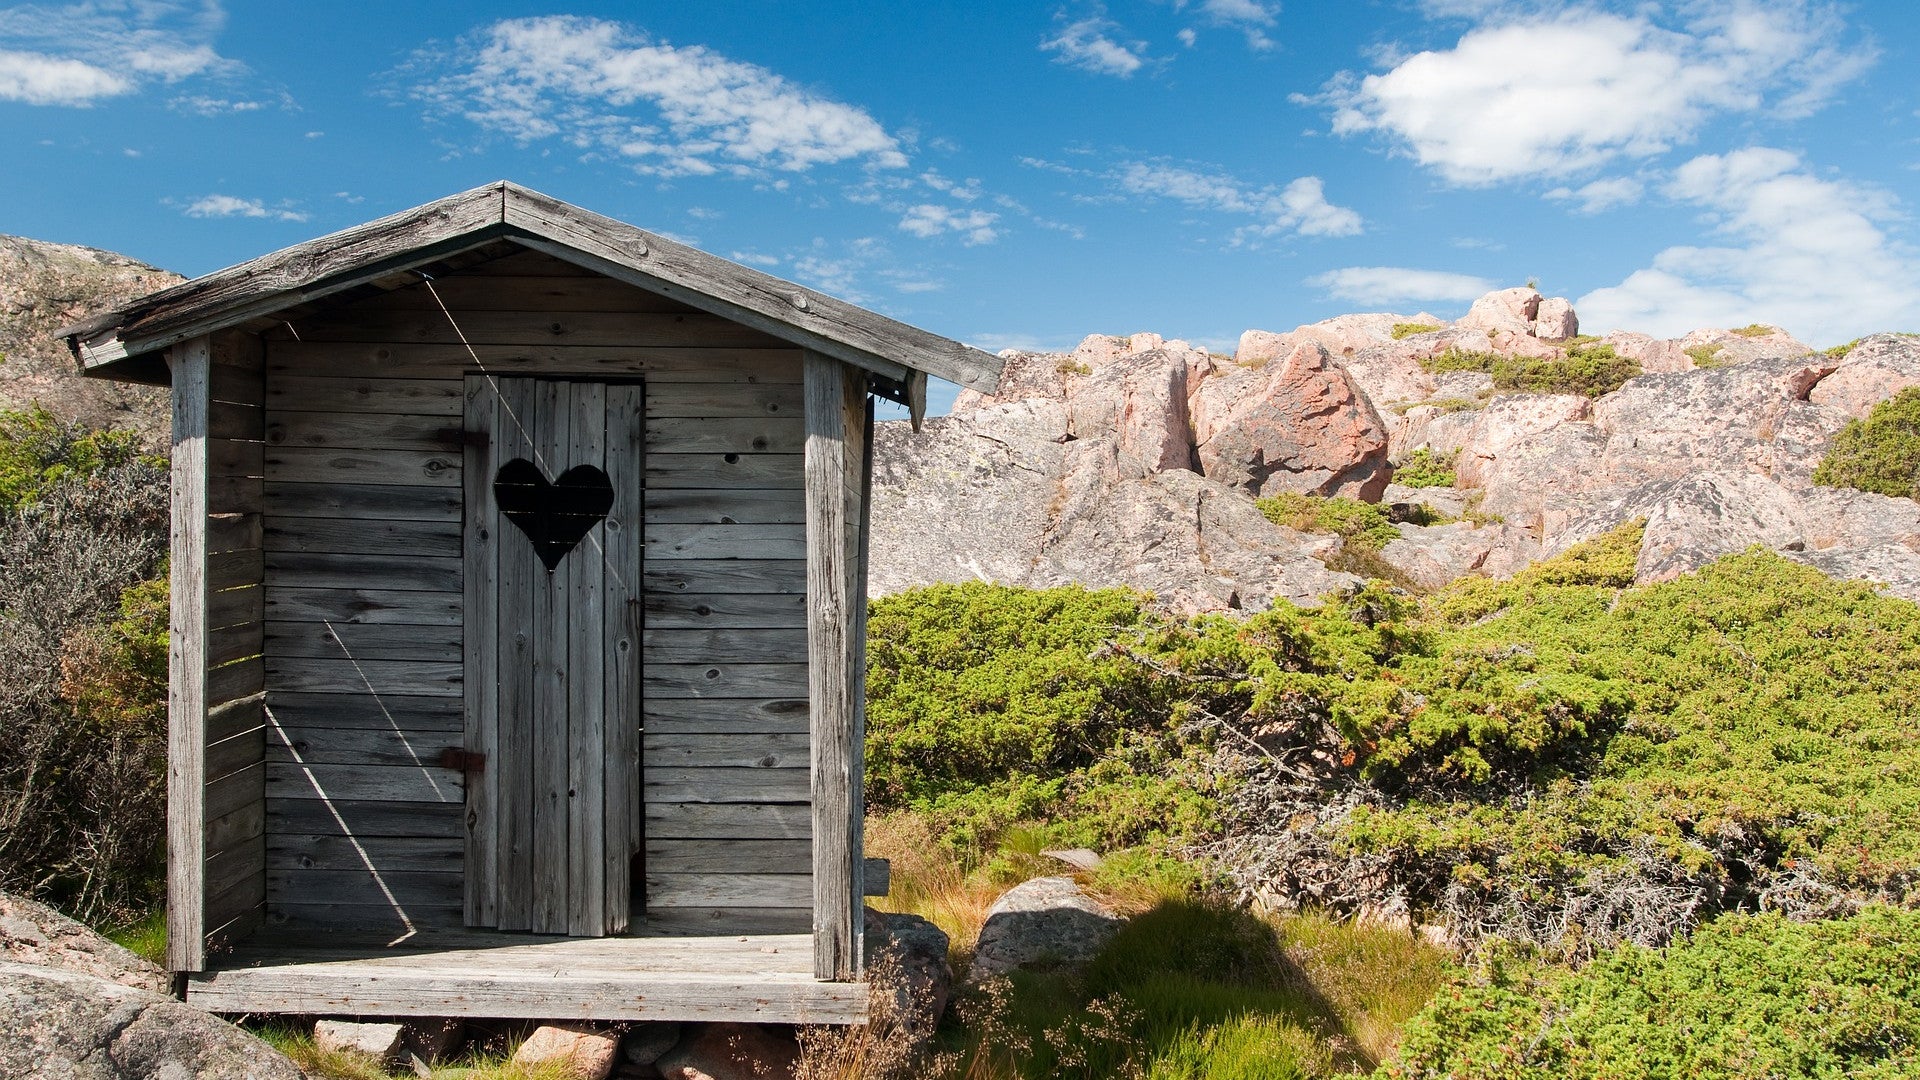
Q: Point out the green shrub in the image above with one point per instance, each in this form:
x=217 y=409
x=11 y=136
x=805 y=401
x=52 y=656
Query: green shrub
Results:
x=1880 y=453
x=1745 y=996
x=1591 y=370
x=1839 y=352
x=1403 y=330
x=1425 y=469
x=1706 y=356
x=1753 y=330
x=1358 y=523
x=38 y=450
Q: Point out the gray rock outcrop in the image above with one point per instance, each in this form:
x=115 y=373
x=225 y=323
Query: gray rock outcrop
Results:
x=33 y=933
x=1044 y=924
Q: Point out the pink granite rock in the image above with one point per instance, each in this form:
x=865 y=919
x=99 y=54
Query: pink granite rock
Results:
x=1512 y=310
x=1555 y=320
x=587 y=1052
x=1141 y=402
x=732 y=1052
x=1297 y=424
x=1876 y=369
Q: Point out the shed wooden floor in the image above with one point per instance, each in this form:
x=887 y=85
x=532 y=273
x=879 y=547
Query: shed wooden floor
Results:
x=765 y=978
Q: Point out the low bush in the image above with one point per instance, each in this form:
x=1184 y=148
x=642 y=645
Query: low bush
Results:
x=1425 y=469
x=1706 y=356
x=1355 y=522
x=1590 y=370
x=1745 y=996
x=1880 y=453
x=1402 y=330
x=1753 y=330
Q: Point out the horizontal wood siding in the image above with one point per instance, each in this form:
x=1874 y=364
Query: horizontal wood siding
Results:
x=361 y=615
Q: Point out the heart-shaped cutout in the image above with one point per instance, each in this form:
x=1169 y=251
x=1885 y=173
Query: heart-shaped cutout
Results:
x=555 y=515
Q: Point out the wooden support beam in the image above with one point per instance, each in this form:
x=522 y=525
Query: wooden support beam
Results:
x=190 y=362
x=834 y=683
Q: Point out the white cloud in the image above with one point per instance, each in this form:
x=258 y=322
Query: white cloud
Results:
x=1087 y=44
x=1803 y=252
x=1251 y=18
x=1386 y=286
x=973 y=226
x=1601 y=194
x=1522 y=95
x=671 y=110
x=81 y=54
x=223 y=206
x=1300 y=206
x=755 y=258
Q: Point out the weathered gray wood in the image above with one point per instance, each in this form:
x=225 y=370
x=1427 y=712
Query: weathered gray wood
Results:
x=586 y=738
x=187 y=663
x=363 y=783
x=717 y=680
x=802 y=316
x=792 y=856
x=229 y=829
x=360 y=887
x=229 y=867
x=365 y=819
x=364 y=536
x=836 y=915
x=363 y=431
x=735 y=541
x=747 y=751
x=400 y=853
x=707 y=923
x=728 y=821
x=723 y=716
x=231 y=607
x=233 y=791
x=480 y=643
x=519 y=568
x=759 y=576
x=503 y=292
x=747 y=645
x=231 y=569
x=408 y=677
x=711 y=472
x=376 y=501
x=728 y=890
x=363 y=642
x=727 y=435
x=330 y=465
x=359 y=746
x=694 y=507
x=766 y=398
x=231 y=682
x=720 y=785
x=551 y=427
x=230 y=915
x=876 y=877
x=233 y=532
x=321 y=393
x=725 y=610
x=585 y=328
x=626 y=436
x=363 y=711
x=230 y=643
x=361 y=606
x=233 y=754
x=235 y=717
x=665 y=364
x=312 y=920
x=233 y=494
x=333 y=570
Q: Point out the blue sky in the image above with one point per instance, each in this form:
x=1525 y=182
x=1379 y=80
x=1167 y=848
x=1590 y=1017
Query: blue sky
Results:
x=1023 y=175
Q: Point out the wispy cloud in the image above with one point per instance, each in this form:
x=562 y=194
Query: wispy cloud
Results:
x=972 y=226
x=1601 y=195
x=1802 y=251
x=1385 y=286
x=1092 y=44
x=82 y=54
x=226 y=206
x=609 y=89
x=1521 y=95
x=1300 y=206
x=1250 y=17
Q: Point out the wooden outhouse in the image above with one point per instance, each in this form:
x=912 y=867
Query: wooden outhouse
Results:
x=519 y=579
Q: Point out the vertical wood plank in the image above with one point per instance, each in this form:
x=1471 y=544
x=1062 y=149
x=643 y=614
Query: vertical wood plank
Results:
x=187 y=661
x=626 y=439
x=552 y=431
x=829 y=623
x=585 y=569
x=519 y=568
x=857 y=686
x=481 y=639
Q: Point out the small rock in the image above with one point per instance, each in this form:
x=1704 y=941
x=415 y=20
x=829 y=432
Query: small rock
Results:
x=732 y=1052
x=383 y=1042
x=1044 y=923
x=646 y=1044
x=588 y=1051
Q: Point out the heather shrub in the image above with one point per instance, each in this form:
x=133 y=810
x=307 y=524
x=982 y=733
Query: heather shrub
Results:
x=1880 y=453
x=82 y=712
x=1591 y=370
x=1425 y=469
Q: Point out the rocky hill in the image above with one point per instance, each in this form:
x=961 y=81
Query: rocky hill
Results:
x=45 y=286
x=1138 y=460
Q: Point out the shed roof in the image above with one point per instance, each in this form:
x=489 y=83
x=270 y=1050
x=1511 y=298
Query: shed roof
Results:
x=129 y=343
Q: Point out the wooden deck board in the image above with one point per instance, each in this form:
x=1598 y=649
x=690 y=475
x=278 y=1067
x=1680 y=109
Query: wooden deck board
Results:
x=760 y=978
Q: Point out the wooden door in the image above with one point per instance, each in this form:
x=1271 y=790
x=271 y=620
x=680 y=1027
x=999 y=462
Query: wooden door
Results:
x=552 y=546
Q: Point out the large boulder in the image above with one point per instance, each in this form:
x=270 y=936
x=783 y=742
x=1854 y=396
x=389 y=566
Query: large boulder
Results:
x=732 y=1052
x=1431 y=556
x=61 y=1023
x=1509 y=310
x=907 y=963
x=1297 y=424
x=1875 y=369
x=1044 y=924
x=33 y=933
x=1555 y=320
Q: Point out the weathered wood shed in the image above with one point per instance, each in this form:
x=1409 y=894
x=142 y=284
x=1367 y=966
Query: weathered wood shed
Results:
x=519 y=585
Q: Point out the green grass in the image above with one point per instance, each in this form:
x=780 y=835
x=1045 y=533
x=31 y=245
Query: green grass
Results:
x=145 y=937
x=476 y=1062
x=1706 y=356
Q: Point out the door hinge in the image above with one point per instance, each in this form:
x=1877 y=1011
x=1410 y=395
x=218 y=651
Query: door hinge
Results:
x=467 y=761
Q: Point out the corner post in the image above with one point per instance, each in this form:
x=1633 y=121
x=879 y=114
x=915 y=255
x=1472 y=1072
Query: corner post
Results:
x=190 y=362
x=834 y=682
